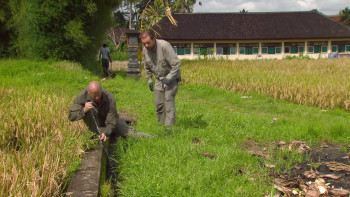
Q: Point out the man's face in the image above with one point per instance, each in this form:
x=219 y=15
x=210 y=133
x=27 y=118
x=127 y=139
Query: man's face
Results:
x=96 y=96
x=148 y=42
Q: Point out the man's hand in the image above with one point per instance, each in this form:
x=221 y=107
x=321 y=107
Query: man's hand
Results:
x=166 y=81
x=150 y=85
x=103 y=137
x=88 y=105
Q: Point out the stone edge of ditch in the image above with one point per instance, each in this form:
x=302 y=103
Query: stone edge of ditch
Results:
x=86 y=180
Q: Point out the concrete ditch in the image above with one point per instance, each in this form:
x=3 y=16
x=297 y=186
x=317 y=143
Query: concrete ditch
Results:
x=86 y=180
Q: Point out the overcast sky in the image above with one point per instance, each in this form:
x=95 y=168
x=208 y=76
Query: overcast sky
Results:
x=329 y=7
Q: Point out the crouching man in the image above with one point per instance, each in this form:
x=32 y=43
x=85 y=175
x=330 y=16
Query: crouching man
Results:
x=97 y=107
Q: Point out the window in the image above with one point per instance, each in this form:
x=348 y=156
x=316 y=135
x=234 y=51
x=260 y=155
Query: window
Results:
x=334 y=48
x=271 y=50
x=196 y=51
x=182 y=48
x=225 y=48
x=255 y=50
x=317 y=49
x=181 y=51
x=286 y=49
x=203 y=51
x=226 y=51
x=347 y=48
x=249 y=48
x=203 y=48
x=271 y=47
x=248 y=51
x=342 y=48
x=310 y=49
x=210 y=50
x=301 y=49
x=219 y=51
x=264 y=50
x=233 y=50
x=324 y=49
x=241 y=50
x=278 y=50
x=294 y=49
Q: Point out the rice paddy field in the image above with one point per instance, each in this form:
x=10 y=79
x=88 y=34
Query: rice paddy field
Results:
x=324 y=83
x=222 y=108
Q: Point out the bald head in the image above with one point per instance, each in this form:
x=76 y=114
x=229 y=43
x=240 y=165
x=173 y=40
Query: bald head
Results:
x=95 y=90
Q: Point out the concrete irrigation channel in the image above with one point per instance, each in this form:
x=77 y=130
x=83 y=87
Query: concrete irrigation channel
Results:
x=86 y=181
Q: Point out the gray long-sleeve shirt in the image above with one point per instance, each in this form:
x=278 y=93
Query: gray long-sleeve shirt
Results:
x=162 y=62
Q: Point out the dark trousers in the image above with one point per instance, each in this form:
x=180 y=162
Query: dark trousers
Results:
x=105 y=66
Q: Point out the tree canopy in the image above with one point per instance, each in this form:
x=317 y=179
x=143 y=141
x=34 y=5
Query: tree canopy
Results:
x=55 y=29
x=345 y=16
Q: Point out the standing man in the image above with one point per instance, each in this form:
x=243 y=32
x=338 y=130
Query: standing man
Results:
x=104 y=53
x=162 y=62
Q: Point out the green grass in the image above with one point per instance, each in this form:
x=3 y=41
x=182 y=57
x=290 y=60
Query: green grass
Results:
x=170 y=164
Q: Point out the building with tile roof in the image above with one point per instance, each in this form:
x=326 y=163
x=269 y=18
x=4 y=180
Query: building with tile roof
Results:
x=255 y=35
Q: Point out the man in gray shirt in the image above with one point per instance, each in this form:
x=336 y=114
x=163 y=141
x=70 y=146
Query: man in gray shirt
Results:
x=162 y=62
x=104 y=53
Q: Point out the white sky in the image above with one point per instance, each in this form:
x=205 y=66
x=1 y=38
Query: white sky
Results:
x=328 y=7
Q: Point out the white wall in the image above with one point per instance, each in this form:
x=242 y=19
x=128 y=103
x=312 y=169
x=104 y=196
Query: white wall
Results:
x=257 y=56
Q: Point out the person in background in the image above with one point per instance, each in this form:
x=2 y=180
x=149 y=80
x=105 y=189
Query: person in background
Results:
x=106 y=59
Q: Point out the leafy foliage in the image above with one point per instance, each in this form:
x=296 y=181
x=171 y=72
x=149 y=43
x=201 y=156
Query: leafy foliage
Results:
x=345 y=16
x=58 y=29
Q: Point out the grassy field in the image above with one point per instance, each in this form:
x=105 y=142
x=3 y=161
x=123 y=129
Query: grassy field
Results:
x=324 y=83
x=39 y=147
x=35 y=97
x=172 y=165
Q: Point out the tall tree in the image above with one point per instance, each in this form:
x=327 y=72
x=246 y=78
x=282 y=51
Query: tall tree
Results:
x=184 y=6
x=59 y=29
x=345 y=16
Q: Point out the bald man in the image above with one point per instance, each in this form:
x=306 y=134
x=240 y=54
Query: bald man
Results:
x=102 y=103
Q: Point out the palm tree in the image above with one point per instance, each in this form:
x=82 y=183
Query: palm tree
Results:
x=184 y=6
x=345 y=16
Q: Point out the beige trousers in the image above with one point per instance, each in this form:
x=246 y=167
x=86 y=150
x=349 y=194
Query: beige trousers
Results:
x=164 y=101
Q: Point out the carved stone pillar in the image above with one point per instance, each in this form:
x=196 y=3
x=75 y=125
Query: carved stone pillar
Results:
x=133 y=69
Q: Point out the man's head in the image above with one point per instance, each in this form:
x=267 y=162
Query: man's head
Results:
x=104 y=45
x=148 y=39
x=94 y=89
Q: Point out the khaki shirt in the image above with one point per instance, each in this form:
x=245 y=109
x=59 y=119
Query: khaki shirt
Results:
x=106 y=112
x=162 y=63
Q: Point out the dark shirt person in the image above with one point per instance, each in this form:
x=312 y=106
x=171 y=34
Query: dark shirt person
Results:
x=102 y=104
x=106 y=59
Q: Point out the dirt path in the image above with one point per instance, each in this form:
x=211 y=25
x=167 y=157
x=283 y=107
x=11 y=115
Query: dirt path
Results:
x=119 y=65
